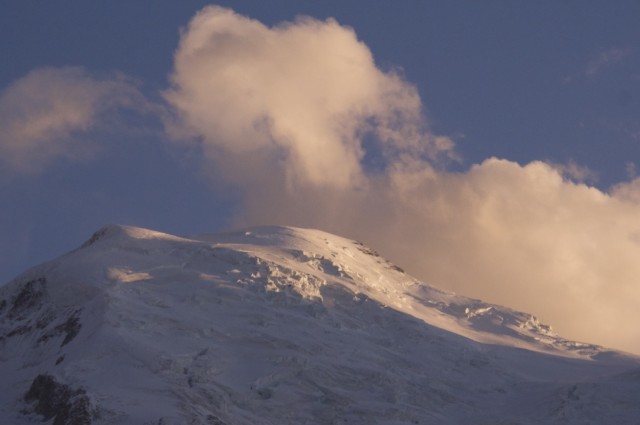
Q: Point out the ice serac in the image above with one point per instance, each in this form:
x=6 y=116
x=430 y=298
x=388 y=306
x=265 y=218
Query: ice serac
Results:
x=281 y=325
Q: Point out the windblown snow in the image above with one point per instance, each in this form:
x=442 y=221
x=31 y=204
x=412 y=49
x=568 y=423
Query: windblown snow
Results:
x=281 y=325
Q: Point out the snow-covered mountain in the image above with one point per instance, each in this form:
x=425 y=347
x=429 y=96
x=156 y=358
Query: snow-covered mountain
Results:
x=280 y=325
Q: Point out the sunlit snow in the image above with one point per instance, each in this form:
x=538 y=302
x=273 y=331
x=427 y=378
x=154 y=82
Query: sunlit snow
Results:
x=280 y=325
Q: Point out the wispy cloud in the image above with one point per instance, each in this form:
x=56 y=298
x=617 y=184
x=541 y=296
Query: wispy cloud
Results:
x=44 y=114
x=575 y=172
x=605 y=60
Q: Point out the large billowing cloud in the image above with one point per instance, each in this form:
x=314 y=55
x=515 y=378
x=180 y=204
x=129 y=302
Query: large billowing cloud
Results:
x=300 y=119
x=522 y=236
x=297 y=98
x=42 y=114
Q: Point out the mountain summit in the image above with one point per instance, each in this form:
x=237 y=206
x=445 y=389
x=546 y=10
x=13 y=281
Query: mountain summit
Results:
x=281 y=325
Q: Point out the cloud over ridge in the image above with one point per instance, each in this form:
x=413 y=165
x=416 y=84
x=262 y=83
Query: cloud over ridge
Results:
x=299 y=121
x=288 y=115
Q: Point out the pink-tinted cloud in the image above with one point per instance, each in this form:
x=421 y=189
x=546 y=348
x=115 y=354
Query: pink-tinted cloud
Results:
x=43 y=115
x=282 y=115
x=295 y=99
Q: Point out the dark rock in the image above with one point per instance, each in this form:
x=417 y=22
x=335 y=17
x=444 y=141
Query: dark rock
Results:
x=44 y=321
x=95 y=237
x=366 y=250
x=70 y=328
x=214 y=420
x=265 y=393
x=396 y=268
x=30 y=296
x=20 y=330
x=53 y=400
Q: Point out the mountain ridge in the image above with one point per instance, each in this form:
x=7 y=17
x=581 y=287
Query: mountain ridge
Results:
x=139 y=326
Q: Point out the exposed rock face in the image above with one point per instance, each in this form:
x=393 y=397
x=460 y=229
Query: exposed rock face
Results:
x=69 y=328
x=63 y=404
x=29 y=312
x=30 y=296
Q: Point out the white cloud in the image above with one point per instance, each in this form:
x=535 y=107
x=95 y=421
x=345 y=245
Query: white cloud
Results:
x=297 y=98
x=283 y=113
x=42 y=112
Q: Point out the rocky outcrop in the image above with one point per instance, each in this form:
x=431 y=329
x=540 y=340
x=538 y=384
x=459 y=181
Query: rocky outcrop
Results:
x=53 y=400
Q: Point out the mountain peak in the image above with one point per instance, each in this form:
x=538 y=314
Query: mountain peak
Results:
x=235 y=328
x=120 y=231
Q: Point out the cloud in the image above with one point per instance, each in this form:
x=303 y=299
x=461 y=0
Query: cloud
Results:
x=525 y=237
x=297 y=98
x=292 y=117
x=42 y=113
x=605 y=59
x=521 y=236
x=631 y=169
x=576 y=172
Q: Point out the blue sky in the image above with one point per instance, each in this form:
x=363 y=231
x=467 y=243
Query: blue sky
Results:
x=557 y=82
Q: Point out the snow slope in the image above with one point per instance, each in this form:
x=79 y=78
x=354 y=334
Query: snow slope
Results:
x=280 y=325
